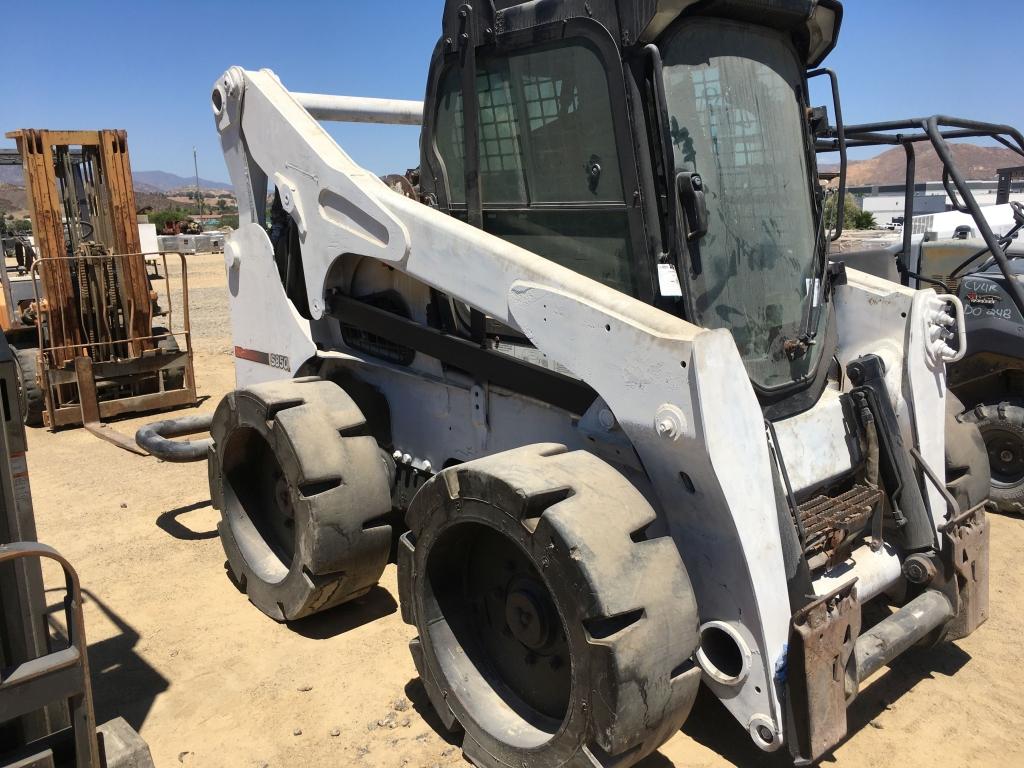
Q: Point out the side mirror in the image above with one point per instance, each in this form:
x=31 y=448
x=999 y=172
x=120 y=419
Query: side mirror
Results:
x=817 y=118
x=695 y=208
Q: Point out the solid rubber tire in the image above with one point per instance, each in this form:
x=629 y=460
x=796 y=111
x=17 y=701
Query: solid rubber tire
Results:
x=338 y=488
x=625 y=602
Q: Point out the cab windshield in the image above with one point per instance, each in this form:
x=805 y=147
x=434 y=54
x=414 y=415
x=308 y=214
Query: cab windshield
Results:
x=736 y=118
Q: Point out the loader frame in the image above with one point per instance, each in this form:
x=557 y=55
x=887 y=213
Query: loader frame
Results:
x=691 y=422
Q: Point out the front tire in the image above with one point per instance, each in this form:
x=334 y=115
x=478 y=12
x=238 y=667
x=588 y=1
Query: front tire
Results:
x=551 y=629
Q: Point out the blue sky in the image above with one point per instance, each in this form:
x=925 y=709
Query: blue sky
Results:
x=148 y=66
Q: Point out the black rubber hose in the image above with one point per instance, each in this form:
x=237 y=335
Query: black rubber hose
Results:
x=155 y=438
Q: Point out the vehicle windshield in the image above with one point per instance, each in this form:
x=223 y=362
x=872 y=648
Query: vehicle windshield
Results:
x=736 y=118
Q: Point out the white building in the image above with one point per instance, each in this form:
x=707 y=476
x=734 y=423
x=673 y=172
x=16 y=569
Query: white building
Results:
x=887 y=202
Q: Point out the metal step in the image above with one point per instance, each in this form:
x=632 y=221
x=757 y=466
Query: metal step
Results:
x=828 y=522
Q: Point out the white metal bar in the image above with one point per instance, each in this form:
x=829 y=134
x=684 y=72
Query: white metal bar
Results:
x=875 y=572
x=357 y=109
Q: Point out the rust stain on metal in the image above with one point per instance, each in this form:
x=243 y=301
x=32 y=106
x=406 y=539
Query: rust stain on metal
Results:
x=822 y=640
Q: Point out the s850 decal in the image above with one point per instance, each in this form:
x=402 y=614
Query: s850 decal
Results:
x=272 y=359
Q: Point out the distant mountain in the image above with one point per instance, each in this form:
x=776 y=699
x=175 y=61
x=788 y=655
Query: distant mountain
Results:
x=162 y=181
x=11 y=174
x=890 y=167
x=13 y=200
x=145 y=181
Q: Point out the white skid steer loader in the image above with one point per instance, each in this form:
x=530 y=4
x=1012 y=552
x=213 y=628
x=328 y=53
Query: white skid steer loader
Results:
x=594 y=365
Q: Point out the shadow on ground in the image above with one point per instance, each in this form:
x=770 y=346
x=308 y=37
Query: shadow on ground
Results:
x=655 y=760
x=711 y=724
x=417 y=694
x=169 y=523
x=375 y=604
x=902 y=675
x=123 y=684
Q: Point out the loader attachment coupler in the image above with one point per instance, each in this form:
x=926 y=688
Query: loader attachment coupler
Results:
x=829 y=658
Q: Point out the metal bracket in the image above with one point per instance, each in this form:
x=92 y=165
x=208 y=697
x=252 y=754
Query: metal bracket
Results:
x=821 y=645
x=478 y=398
x=965 y=553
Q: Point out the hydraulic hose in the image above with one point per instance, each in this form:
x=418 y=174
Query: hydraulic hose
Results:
x=155 y=438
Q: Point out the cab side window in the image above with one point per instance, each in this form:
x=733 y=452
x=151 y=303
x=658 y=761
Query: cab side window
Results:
x=549 y=164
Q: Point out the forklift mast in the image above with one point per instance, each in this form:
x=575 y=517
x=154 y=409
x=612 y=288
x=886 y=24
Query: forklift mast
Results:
x=81 y=198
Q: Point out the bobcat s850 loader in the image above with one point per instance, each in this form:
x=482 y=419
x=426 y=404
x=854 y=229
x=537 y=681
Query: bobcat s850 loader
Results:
x=643 y=435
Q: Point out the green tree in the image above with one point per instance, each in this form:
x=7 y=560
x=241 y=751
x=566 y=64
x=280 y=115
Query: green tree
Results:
x=850 y=210
x=864 y=220
x=222 y=205
x=172 y=216
x=230 y=220
x=22 y=225
x=853 y=216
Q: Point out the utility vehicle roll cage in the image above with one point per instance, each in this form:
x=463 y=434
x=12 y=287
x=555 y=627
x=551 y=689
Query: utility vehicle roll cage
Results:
x=939 y=130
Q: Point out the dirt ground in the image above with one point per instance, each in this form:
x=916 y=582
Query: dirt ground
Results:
x=209 y=681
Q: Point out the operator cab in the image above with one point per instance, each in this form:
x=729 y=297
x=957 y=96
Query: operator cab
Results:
x=661 y=148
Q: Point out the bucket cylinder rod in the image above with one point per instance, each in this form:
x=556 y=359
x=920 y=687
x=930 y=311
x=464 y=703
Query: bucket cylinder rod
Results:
x=356 y=109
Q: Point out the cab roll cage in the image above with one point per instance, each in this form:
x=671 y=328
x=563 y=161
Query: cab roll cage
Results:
x=938 y=130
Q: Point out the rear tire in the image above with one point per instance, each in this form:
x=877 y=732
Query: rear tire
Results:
x=30 y=394
x=968 y=477
x=304 y=497
x=550 y=628
x=1002 y=428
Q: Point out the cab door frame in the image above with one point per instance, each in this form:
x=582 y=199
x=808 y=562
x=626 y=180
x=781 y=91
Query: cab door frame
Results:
x=598 y=39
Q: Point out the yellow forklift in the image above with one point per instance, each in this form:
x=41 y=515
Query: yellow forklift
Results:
x=94 y=337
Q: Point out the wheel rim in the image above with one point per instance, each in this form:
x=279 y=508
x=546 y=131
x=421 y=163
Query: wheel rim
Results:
x=485 y=596
x=259 y=500
x=1005 y=455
